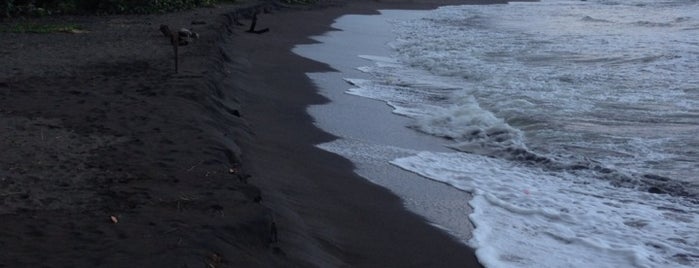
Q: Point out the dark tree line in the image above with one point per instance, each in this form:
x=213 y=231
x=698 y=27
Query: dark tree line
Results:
x=14 y=8
x=10 y=8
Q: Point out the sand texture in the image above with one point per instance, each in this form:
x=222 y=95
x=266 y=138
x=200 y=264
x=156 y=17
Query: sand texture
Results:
x=110 y=159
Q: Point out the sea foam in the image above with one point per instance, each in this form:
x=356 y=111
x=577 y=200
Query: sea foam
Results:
x=532 y=218
x=573 y=124
x=569 y=118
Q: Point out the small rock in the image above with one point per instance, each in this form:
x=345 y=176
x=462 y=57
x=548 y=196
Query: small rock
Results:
x=655 y=190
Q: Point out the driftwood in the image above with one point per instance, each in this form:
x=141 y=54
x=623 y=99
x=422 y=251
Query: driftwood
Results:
x=274 y=236
x=254 y=23
x=180 y=38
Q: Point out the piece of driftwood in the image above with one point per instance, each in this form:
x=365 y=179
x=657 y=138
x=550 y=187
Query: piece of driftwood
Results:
x=274 y=235
x=254 y=23
x=180 y=38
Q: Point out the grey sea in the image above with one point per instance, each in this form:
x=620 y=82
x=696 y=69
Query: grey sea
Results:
x=573 y=125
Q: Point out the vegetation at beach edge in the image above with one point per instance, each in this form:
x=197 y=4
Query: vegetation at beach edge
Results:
x=40 y=28
x=38 y=8
x=299 y=2
x=13 y=8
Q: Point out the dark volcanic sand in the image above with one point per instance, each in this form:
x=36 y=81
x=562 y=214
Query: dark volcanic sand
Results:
x=96 y=125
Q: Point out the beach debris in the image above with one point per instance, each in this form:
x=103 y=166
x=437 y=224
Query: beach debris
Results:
x=114 y=219
x=74 y=31
x=186 y=36
x=254 y=23
x=195 y=165
x=215 y=260
x=233 y=170
x=273 y=233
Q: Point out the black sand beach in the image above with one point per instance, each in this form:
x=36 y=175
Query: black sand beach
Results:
x=109 y=159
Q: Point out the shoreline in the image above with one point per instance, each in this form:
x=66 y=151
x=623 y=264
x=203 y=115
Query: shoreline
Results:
x=371 y=134
x=97 y=128
x=308 y=201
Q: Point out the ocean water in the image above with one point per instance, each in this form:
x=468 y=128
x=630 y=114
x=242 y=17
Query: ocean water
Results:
x=574 y=124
